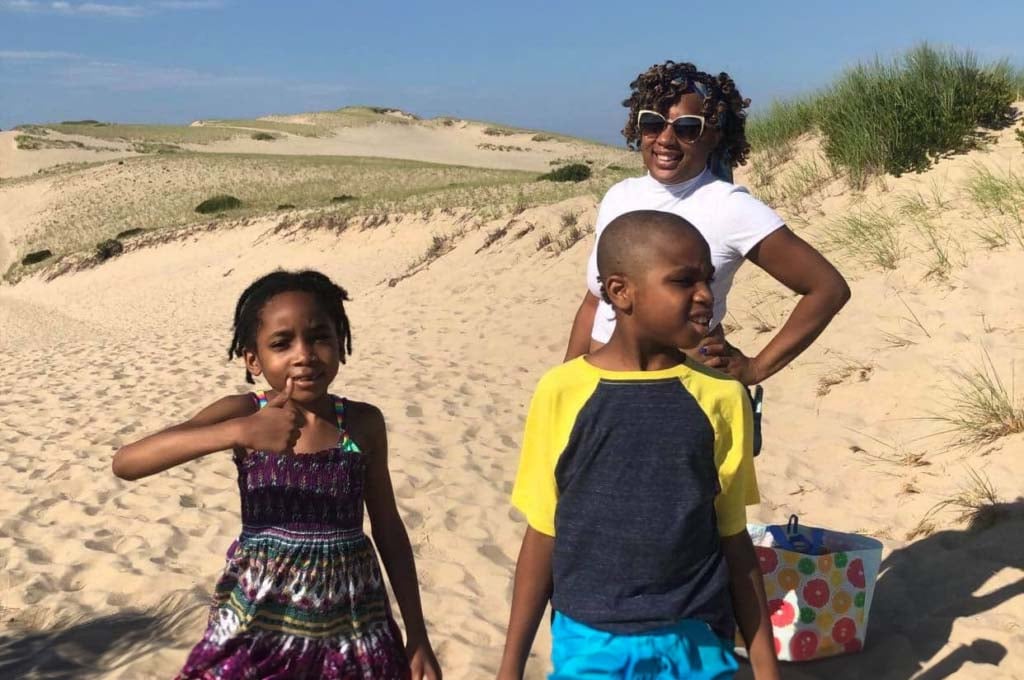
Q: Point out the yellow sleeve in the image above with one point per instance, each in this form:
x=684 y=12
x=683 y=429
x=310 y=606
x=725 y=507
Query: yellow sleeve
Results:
x=535 y=492
x=734 y=456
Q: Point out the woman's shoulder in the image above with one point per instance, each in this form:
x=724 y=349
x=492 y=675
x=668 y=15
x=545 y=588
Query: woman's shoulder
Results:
x=734 y=200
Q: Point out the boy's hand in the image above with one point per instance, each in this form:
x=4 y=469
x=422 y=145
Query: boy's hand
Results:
x=276 y=427
x=422 y=662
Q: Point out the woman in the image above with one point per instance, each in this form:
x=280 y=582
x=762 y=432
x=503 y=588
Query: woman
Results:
x=687 y=123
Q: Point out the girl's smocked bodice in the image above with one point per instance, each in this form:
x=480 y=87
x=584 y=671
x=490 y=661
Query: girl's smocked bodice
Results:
x=323 y=488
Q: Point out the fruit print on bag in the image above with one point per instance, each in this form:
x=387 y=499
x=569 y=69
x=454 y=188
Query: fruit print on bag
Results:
x=789 y=579
x=856 y=573
x=818 y=602
x=782 y=612
x=816 y=593
x=767 y=559
x=844 y=630
x=803 y=645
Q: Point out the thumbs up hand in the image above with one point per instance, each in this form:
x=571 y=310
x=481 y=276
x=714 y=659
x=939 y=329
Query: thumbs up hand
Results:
x=275 y=427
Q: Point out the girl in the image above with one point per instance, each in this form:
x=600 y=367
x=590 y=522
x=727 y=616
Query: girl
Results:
x=302 y=594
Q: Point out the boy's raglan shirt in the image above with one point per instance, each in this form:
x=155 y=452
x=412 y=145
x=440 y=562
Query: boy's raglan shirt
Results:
x=636 y=474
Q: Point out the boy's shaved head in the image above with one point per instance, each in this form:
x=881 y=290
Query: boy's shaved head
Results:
x=630 y=241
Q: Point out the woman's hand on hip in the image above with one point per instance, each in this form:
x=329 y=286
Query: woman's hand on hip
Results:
x=715 y=352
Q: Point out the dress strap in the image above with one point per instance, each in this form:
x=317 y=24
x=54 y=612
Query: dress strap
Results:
x=345 y=442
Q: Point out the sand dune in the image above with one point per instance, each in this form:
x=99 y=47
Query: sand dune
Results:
x=451 y=353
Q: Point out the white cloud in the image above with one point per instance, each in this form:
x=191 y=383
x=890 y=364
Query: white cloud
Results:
x=107 y=9
x=34 y=55
x=190 y=4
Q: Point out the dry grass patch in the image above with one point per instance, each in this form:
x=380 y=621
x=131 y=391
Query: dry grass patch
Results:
x=981 y=408
x=976 y=502
x=842 y=372
x=870 y=236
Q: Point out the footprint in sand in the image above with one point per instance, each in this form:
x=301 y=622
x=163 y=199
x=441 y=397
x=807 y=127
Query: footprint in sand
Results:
x=99 y=546
x=495 y=555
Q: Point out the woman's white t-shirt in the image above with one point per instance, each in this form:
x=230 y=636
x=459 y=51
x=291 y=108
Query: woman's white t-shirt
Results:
x=730 y=219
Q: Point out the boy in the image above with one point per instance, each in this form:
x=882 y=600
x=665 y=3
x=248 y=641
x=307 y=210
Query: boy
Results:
x=635 y=472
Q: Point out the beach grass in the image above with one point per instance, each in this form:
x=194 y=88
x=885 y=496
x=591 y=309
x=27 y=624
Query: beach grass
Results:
x=162 y=191
x=896 y=116
x=870 y=235
x=982 y=408
x=160 y=134
x=975 y=502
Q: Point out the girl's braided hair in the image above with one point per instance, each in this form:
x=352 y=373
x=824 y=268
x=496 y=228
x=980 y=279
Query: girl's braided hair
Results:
x=330 y=296
x=661 y=86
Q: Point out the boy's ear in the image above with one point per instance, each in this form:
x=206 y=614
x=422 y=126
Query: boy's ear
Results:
x=619 y=290
x=252 y=362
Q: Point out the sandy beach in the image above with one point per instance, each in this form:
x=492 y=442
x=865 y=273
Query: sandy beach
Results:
x=101 y=578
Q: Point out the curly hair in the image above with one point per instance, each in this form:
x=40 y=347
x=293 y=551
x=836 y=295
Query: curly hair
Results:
x=330 y=296
x=660 y=86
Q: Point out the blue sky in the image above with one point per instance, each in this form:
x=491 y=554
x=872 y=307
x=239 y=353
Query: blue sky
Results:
x=561 y=66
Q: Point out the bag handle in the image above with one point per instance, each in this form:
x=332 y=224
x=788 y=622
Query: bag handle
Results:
x=794 y=541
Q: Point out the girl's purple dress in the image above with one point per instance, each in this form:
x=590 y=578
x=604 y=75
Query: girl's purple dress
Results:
x=302 y=594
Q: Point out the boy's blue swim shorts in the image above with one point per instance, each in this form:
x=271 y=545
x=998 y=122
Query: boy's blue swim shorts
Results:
x=688 y=649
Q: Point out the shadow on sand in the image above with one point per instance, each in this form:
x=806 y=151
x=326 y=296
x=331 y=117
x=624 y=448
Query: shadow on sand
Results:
x=923 y=588
x=86 y=648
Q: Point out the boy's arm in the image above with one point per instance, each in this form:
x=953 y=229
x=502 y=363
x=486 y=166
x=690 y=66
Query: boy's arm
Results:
x=750 y=604
x=530 y=594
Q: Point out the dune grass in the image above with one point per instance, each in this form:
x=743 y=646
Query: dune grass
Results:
x=1001 y=199
x=870 y=236
x=975 y=502
x=98 y=205
x=896 y=117
x=982 y=409
x=783 y=122
x=160 y=134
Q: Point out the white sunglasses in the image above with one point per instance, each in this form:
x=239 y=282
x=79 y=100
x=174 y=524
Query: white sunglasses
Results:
x=688 y=128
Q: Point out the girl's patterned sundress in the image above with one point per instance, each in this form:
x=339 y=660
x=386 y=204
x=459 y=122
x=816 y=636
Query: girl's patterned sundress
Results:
x=302 y=594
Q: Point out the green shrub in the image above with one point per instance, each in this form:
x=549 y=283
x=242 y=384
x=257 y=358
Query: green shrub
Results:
x=37 y=256
x=263 y=136
x=218 y=203
x=897 y=117
x=342 y=198
x=576 y=172
x=783 y=122
x=543 y=138
x=108 y=249
x=286 y=206
x=130 y=232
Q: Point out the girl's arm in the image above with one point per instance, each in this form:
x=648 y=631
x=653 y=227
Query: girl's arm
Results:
x=797 y=265
x=582 y=324
x=530 y=595
x=750 y=604
x=366 y=426
x=231 y=422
